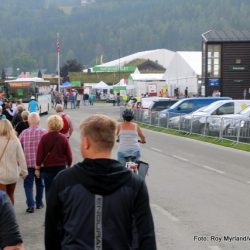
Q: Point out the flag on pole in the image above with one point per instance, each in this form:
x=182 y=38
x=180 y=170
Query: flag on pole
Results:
x=58 y=48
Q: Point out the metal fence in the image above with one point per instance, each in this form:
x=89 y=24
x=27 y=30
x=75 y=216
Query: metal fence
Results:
x=236 y=130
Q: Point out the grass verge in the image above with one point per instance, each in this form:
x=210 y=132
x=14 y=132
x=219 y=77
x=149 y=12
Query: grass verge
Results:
x=225 y=143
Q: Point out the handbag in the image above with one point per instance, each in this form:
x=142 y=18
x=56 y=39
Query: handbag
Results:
x=4 y=150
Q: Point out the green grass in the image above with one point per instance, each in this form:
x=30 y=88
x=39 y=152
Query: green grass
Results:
x=225 y=143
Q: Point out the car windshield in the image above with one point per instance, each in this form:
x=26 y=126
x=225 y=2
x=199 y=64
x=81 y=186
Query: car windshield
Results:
x=245 y=111
x=211 y=107
x=176 y=104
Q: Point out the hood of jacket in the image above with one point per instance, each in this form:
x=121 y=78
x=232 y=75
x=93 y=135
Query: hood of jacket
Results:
x=102 y=176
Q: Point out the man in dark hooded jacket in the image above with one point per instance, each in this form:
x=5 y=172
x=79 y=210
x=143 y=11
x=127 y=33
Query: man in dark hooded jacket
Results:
x=96 y=203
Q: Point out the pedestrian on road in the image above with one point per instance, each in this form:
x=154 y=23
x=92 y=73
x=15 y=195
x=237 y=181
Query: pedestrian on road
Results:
x=91 y=99
x=72 y=100
x=17 y=117
x=22 y=125
x=30 y=139
x=7 y=111
x=33 y=105
x=95 y=204
x=65 y=100
x=67 y=129
x=128 y=133
x=10 y=236
x=54 y=152
x=85 y=99
x=78 y=100
x=11 y=158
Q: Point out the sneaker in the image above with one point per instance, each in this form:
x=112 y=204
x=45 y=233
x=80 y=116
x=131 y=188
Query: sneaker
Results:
x=30 y=210
x=40 y=207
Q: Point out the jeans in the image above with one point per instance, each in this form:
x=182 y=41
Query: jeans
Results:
x=28 y=187
x=121 y=156
x=48 y=174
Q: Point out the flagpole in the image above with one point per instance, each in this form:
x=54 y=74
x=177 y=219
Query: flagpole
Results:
x=58 y=60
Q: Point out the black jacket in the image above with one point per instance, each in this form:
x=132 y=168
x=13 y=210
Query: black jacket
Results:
x=9 y=231
x=92 y=206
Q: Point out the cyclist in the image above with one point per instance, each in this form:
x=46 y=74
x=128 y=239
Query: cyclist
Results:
x=128 y=133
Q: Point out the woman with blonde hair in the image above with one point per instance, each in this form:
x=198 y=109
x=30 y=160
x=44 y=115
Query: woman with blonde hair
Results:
x=11 y=158
x=54 y=152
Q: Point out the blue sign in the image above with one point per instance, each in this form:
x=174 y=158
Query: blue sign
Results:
x=215 y=82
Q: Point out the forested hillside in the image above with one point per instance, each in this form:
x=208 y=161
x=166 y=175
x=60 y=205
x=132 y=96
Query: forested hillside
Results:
x=109 y=27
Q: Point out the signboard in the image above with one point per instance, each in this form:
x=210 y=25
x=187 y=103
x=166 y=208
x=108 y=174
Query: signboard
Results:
x=215 y=82
x=76 y=84
x=238 y=81
x=151 y=88
x=19 y=84
x=114 y=69
x=238 y=68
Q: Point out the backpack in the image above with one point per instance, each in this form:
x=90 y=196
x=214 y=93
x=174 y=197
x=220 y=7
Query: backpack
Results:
x=66 y=127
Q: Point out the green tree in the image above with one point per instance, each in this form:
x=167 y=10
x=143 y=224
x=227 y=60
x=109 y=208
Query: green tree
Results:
x=25 y=62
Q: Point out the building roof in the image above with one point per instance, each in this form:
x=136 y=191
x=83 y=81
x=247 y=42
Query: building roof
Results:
x=226 y=36
x=193 y=59
x=147 y=77
x=160 y=56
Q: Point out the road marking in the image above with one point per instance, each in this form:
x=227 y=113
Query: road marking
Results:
x=165 y=212
x=180 y=158
x=156 y=149
x=213 y=169
x=215 y=248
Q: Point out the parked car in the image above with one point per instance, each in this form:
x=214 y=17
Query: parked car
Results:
x=182 y=121
x=209 y=119
x=161 y=104
x=237 y=125
x=188 y=105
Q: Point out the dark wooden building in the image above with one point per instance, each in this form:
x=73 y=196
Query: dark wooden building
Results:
x=226 y=63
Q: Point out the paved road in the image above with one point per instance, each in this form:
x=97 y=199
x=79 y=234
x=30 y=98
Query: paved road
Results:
x=199 y=192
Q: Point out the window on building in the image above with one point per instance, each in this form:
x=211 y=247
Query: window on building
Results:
x=214 y=60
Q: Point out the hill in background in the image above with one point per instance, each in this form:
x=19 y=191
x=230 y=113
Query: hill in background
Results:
x=108 y=27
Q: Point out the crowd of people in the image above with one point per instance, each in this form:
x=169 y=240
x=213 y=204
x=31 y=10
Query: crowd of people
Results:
x=95 y=204
x=72 y=97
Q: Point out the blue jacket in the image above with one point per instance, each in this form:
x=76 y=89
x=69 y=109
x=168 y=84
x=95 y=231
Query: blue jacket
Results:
x=94 y=204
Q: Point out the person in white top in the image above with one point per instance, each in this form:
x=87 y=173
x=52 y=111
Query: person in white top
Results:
x=11 y=158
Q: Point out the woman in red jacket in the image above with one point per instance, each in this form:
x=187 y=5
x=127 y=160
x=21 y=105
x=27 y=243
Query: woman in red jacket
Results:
x=54 y=152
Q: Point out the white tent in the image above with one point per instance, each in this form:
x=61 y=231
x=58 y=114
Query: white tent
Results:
x=101 y=85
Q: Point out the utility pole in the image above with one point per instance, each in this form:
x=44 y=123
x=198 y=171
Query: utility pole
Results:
x=58 y=50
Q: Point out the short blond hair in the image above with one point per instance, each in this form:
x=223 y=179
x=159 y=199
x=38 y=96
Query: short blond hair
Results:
x=6 y=129
x=102 y=131
x=25 y=115
x=55 y=123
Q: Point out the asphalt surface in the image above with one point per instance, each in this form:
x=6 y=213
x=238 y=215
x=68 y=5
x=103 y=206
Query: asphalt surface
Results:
x=199 y=192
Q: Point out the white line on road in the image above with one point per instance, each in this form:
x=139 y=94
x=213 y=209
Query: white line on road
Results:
x=215 y=248
x=165 y=212
x=180 y=158
x=156 y=149
x=213 y=169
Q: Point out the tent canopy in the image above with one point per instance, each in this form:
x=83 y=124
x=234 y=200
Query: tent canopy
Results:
x=66 y=85
x=101 y=85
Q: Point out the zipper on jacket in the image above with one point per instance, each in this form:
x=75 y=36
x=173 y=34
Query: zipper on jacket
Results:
x=98 y=222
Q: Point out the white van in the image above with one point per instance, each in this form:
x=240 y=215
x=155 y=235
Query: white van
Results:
x=208 y=114
x=224 y=107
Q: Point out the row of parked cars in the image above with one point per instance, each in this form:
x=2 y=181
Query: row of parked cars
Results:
x=205 y=115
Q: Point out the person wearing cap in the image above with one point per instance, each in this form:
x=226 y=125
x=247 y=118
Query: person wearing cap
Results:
x=33 y=105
